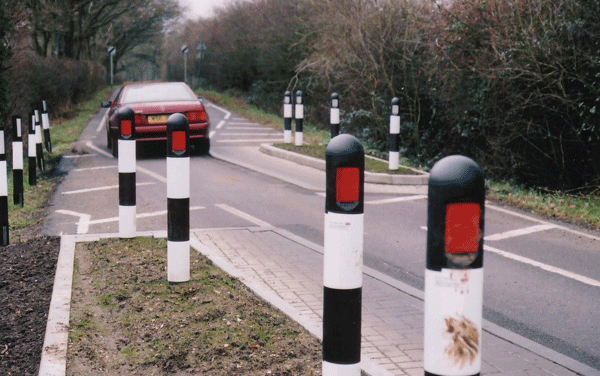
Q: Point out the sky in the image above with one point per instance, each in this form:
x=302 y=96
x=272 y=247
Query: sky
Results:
x=203 y=8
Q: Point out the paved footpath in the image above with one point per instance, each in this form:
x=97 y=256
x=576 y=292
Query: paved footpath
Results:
x=287 y=271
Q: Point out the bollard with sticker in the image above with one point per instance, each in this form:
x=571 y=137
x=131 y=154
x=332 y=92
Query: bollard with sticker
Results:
x=31 y=152
x=334 y=115
x=3 y=191
x=127 y=178
x=38 y=141
x=46 y=127
x=394 y=153
x=178 y=199
x=343 y=256
x=299 y=115
x=287 y=117
x=454 y=268
x=17 y=160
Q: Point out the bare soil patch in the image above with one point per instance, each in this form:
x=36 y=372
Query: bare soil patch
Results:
x=127 y=319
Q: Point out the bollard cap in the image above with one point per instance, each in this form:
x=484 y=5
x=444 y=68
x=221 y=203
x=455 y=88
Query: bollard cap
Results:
x=178 y=136
x=345 y=175
x=299 y=95
x=395 y=106
x=126 y=123
x=335 y=100
x=455 y=214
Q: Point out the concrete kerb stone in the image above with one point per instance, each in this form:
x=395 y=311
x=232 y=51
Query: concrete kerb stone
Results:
x=370 y=177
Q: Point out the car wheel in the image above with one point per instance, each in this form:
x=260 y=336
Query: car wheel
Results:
x=202 y=146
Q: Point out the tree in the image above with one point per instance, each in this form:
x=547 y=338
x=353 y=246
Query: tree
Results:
x=6 y=26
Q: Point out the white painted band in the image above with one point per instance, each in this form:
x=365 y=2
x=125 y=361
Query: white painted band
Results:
x=394 y=159
x=453 y=321
x=127 y=156
x=287 y=136
x=38 y=133
x=299 y=139
x=332 y=369
x=394 y=124
x=343 y=251
x=45 y=121
x=299 y=111
x=18 y=155
x=287 y=111
x=334 y=116
x=178 y=177
x=2 y=149
x=127 y=224
x=19 y=128
x=178 y=261
x=31 y=145
x=3 y=179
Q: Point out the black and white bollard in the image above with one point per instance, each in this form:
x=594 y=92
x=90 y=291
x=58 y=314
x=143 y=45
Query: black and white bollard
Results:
x=178 y=199
x=46 y=127
x=394 y=156
x=454 y=269
x=299 y=115
x=17 y=160
x=343 y=256
x=334 y=115
x=3 y=191
x=287 y=117
x=31 y=152
x=39 y=149
x=127 y=167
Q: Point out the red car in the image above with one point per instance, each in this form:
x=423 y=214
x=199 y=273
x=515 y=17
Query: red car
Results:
x=152 y=104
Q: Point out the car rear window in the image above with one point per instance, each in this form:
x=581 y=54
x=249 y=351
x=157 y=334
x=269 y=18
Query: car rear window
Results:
x=157 y=93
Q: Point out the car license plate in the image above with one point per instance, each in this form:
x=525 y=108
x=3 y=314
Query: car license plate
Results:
x=154 y=119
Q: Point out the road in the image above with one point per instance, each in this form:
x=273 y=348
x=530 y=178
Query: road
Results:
x=542 y=278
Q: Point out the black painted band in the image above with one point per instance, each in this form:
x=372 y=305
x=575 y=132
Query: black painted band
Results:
x=341 y=325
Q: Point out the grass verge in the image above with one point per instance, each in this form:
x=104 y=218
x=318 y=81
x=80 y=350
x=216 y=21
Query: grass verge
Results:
x=24 y=220
x=127 y=319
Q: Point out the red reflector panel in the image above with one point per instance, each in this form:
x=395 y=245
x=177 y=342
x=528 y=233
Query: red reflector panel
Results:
x=126 y=127
x=347 y=184
x=462 y=227
x=178 y=141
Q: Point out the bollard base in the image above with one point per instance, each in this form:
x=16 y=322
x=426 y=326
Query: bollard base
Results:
x=178 y=261
x=127 y=223
x=332 y=369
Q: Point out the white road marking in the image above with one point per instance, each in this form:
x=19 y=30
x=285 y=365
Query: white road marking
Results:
x=249 y=134
x=243 y=122
x=506 y=211
x=546 y=267
x=151 y=174
x=519 y=232
x=82 y=224
x=95 y=168
x=257 y=128
x=541 y=265
x=211 y=134
x=396 y=199
x=94 y=147
x=250 y=140
x=243 y=215
x=220 y=125
x=227 y=113
x=107 y=187
x=78 y=156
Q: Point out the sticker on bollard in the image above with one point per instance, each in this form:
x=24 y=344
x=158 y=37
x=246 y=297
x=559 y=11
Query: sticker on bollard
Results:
x=127 y=178
x=178 y=199
x=343 y=256
x=454 y=268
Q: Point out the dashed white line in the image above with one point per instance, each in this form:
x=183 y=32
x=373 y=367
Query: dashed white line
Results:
x=251 y=140
x=95 y=168
x=397 y=199
x=107 y=187
x=227 y=113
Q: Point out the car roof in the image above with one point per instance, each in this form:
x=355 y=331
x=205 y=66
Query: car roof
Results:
x=157 y=92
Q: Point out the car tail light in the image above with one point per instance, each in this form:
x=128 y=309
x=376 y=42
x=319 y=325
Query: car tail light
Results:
x=140 y=120
x=196 y=116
